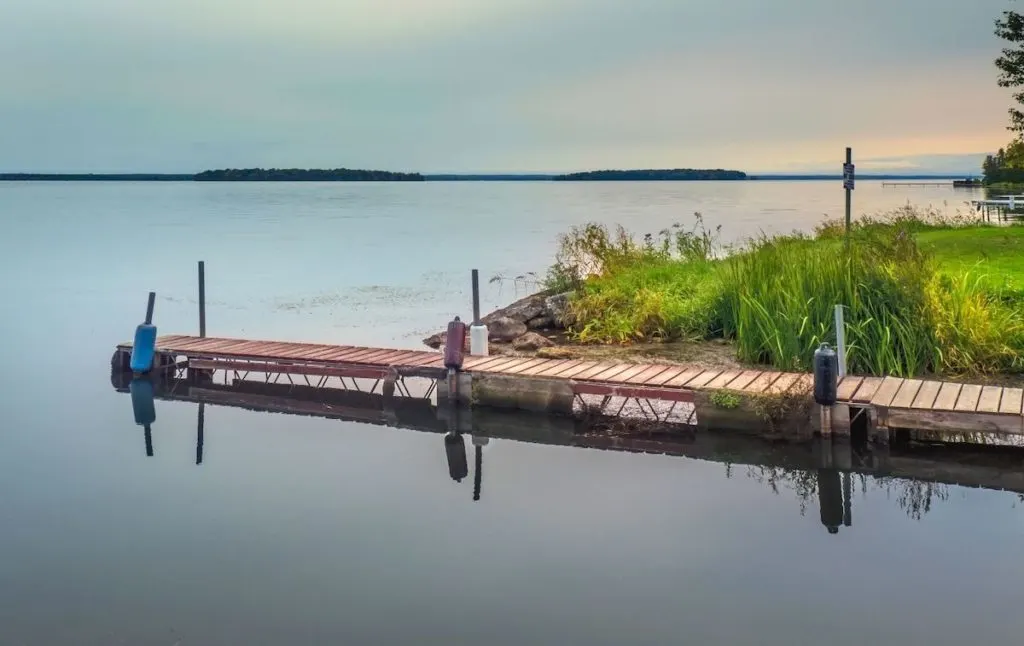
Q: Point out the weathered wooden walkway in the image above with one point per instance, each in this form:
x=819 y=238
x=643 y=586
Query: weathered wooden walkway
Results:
x=890 y=402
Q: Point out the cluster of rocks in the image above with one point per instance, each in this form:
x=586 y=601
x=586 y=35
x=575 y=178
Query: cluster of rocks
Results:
x=521 y=325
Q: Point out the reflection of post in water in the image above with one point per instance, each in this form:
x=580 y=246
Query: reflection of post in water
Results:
x=830 y=499
x=455 y=449
x=847 y=505
x=141 y=390
x=478 y=472
x=200 y=423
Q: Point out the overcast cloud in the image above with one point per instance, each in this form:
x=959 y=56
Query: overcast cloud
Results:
x=497 y=85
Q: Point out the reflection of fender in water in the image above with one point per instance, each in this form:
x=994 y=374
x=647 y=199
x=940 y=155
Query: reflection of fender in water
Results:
x=144 y=408
x=455 y=448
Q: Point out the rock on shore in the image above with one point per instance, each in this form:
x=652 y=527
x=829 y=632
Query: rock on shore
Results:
x=522 y=324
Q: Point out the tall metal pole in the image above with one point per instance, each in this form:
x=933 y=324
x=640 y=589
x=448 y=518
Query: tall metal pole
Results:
x=848 y=184
x=476 y=297
x=202 y=298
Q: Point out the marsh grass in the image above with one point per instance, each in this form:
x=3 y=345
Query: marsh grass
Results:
x=918 y=294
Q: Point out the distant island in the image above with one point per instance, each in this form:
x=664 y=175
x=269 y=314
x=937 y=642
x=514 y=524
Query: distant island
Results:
x=304 y=175
x=94 y=177
x=667 y=175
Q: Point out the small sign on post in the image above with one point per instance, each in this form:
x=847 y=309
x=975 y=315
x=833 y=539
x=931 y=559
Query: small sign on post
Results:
x=848 y=176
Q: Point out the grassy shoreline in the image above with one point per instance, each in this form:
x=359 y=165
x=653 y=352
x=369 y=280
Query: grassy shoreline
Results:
x=923 y=294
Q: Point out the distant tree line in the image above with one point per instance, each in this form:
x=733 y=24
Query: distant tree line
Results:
x=1007 y=165
x=676 y=174
x=304 y=175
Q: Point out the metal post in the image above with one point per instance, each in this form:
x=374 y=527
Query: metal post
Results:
x=202 y=298
x=841 y=340
x=476 y=297
x=149 y=308
x=477 y=331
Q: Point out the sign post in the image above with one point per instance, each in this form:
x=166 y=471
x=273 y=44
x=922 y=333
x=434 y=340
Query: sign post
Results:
x=848 y=181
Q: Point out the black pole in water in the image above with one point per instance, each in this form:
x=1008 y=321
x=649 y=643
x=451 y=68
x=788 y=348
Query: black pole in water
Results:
x=199 y=432
x=202 y=298
x=476 y=297
x=149 y=441
x=149 y=308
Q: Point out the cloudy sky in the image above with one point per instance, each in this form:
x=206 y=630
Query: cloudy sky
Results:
x=498 y=85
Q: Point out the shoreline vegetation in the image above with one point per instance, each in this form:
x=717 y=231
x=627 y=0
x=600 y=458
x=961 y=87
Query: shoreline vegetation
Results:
x=925 y=294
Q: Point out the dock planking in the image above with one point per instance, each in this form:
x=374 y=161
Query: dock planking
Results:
x=933 y=401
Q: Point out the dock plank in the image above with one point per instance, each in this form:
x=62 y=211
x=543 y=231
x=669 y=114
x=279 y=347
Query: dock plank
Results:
x=847 y=387
x=651 y=373
x=498 y=366
x=886 y=392
x=724 y=379
x=571 y=373
x=598 y=368
x=520 y=363
x=782 y=384
x=803 y=385
x=968 y=399
x=744 y=380
x=989 y=400
x=946 y=399
x=624 y=376
x=867 y=390
x=683 y=379
x=907 y=393
x=762 y=382
x=704 y=378
x=668 y=375
x=533 y=370
x=1013 y=398
x=926 y=395
x=480 y=363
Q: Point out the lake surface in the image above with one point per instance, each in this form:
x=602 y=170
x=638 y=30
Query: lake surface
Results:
x=305 y=530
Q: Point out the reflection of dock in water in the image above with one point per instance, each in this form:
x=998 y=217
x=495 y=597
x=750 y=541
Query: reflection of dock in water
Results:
x=941 y=464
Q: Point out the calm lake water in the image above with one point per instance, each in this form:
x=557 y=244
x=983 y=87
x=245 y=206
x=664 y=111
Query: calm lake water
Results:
x=301 y=530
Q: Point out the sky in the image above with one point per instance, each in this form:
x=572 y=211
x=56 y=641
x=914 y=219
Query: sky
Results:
x=499 y=85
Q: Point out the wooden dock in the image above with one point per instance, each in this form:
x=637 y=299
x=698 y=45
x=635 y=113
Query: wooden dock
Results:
x=887 y=402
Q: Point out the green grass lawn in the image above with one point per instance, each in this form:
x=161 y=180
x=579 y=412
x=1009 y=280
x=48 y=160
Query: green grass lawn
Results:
x=996 y=253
